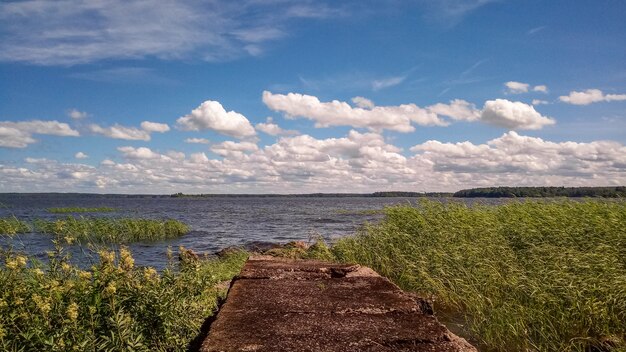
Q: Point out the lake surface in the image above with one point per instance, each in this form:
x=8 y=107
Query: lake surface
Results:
x=216 y=222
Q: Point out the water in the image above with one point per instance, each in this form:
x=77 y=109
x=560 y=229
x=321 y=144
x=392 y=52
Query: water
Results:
x=215 y=223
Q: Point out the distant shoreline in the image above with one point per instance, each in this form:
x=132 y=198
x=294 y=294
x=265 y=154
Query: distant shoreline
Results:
x=488 y=192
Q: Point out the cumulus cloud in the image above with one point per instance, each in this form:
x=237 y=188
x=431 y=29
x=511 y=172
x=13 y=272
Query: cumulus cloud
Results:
x=211 y=115
x=338 y=113
x=81 y=155
x=590 y=96
x=120 y=132
x=273 y=129
x=457 y=110
x=76 y=114
x=520 y=157
x=233 y=148
x=513 y=115
x=19 y=134
x=539 y=102
x=355 y=162
x=154 y=127
x=140 y=153
x=197 y=141
x=519 y=87
x=363 y=103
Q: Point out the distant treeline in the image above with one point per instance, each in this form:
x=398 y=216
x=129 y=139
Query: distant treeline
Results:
x=513 y=192
x=320 y=195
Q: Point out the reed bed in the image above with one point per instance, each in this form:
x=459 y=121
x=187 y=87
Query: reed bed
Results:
x=531 y=276
x=113 y=306
x=12 y=226
x=111 y=230
x=67 y=210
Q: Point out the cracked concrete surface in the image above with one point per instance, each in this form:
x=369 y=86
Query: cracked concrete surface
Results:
x=307 y=305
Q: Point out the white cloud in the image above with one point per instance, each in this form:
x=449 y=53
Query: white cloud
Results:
x=528 y=160
x=197 y=140
x=19 y=134
x=590 y=96
x=210 y=115
x=539 y=102
x=356 y=162
x=154 y=127
x=14 y=138
x=140 y=153
x=81 y=155
x=230 y=148
x=363 y=103
x=121 y=132
x=513 y=115
x=76 y=114
x=457 y=110
x=337 y=113
x=273 y=129
x=517 y=87
x=67 y=32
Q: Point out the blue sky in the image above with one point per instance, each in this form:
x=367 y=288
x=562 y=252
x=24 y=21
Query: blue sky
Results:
x=306 y=96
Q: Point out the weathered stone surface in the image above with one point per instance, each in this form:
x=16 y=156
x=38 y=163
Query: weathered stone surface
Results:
x=289 y=305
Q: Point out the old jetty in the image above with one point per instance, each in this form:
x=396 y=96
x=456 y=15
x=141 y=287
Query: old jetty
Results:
x=307 y=305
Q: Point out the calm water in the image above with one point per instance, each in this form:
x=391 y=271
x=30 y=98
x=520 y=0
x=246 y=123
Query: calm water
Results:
x=216 y=223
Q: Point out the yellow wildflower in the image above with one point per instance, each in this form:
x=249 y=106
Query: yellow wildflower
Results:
x=11 y=264
x=150 y=274
x=85 y=275
x=3 y=303
x=126 y=259
x=72 y=311
x=18 y=301
x=69 y=239
x=21 y=260
x=107 y=257
x=110 y=289
x=38 y=272
x=42 y=303
x=66 y=267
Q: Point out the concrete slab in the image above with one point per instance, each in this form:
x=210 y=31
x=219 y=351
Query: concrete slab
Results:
x=295 y=305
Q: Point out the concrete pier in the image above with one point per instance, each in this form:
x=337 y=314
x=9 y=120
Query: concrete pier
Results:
x=306 y=305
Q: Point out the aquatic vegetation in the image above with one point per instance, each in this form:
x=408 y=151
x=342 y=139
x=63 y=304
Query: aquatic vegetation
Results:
x=11 y=226
x=66 y=210
x=114 y=306
x=114 y=230
x=531 y=276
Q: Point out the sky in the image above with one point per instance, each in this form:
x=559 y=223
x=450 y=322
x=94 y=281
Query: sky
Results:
x=280 y=96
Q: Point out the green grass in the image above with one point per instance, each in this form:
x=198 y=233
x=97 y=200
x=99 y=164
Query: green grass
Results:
x=11 y=226
x=532 y=276
x=67 y=210
x=113 y=230
x=114 y=306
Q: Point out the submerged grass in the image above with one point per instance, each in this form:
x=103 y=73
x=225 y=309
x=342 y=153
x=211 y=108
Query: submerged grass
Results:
x=530 y=276
x=12 y=226
x=114 y=306
x=113 y=230
x=67 y=210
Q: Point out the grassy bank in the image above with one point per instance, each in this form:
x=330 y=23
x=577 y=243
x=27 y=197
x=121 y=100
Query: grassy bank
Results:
x=531 y=276
x=114 y=306
x=114 y=230
x=68 y=210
